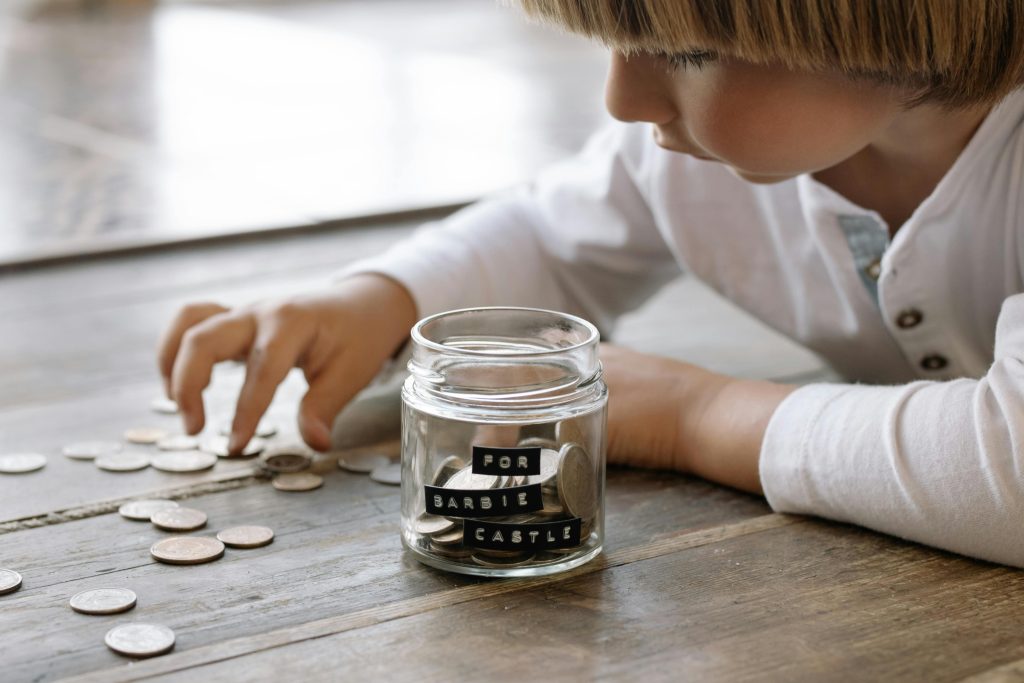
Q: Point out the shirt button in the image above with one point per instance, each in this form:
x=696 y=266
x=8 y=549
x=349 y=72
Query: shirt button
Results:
x=874 y=269
x=909 y=318
x=934 y=362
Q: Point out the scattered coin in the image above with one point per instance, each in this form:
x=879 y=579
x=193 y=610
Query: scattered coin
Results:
x=179 y=519
x=390 y=474
x=178 y=442
x=447 y=469
x=576 y=488
x=143 y=510
x=184 y=461
x=298 y=481
x=10 y=581
x=144 y=435
x=288 y=458
x=465 y=479
x=103 y=601
x=432 y=524
x=246 y=536
x=20 y=463
x=264 y=430
x=497 y=561
x=569 y=431
x=187 y=550
x=218 y=446
x=140 y=640
x=122 y=462
x=164 y=406
x=90 y=450
x=362 y=463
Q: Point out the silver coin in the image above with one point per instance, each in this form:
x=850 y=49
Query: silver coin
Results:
x=140 y=640
x=178 y=442
x=362 y=463
x=143 y=510
x=184 y=461
x=103 y=601
x=10 y=581
x=538 y=441
x=264 y=430
x=187 y=550
x=447 y=469
x=390 y=474
x=432 y=524
x=21 y=463
x=502 y=561
x=448 y=538
x=90 y=450
x=246 y=536
x=145 y=436
x=465 y=479
x=577 y=489
x=298 y=481
x=218 y=445
x=287 y=458
x=548 y=468
x=122 y=462
x=179 y=519
x=164 y=406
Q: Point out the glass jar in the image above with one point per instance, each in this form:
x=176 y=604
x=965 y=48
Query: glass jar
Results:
x=503 y=442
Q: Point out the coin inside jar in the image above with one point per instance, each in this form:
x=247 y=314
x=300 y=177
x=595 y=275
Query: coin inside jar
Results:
x=452 y=537
x=103 y=601
x=22 y=463
x=447 y=469
x=493 y=560
x=140 y=640
x=246 y=536
x=187 y=550
x=548 y=468
x=576 y=487
x=179 y=519
x=298 y=481
x=10 y=581
x=466 y=479
x=183 y=461
x=432 y=524
x=143 y=510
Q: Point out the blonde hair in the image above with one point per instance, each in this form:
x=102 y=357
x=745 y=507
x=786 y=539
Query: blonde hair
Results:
x=956 y=52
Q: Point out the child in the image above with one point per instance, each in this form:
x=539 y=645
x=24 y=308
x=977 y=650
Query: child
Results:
x=849 y=171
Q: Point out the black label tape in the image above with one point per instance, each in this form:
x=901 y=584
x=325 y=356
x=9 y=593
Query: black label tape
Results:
x=483 y=502
x=506 y=461
x=534 y=536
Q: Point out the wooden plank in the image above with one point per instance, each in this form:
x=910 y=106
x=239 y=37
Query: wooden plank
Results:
x=809 y=601
x=337 y=552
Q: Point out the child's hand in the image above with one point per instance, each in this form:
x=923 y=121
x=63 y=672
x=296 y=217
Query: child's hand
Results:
x=340 y=338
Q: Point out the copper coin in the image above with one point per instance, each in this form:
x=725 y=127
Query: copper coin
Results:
x=184 y=461
x=10 y=581
x=21 y=463
x=298 y=481
x=179 y=519
x=246 y=536
x=103 y=601
x=140 y=640
x=187 y=550
x=144 y=435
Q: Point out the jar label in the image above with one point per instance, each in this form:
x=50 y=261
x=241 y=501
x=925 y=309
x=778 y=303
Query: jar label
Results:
x=483 y=502
x=506 y=461
x=530 y=536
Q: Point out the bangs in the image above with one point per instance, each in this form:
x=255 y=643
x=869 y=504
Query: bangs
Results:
x=956 y=52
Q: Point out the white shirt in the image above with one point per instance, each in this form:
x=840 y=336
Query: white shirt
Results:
x=906 y=448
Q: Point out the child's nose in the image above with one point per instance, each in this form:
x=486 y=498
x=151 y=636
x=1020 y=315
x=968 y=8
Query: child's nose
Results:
x=636 y=90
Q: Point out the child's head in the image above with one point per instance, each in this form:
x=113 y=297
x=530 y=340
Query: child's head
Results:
x=781 y=87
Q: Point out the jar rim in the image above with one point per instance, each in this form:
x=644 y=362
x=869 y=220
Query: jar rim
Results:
x=417 y=335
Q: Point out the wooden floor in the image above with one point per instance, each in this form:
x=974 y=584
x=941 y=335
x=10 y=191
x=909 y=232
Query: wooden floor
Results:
x=697 y=582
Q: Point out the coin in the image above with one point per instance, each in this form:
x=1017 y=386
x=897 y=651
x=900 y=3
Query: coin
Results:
x=246 y=536
x=432 y=524
x=264 y=429
x=576 y=486
x=179 y=519
x=122 y=462
x=164 y=406
x=143 y=510
x=178 y=442
x=287 y=458
x=452 y=551
x=10 y=581
x=187 y=550
x=362 y=463
x=218 y=445
x=497 y=562
x=20 y=463
x=140 y=640
x=549 y=460
x=298 y=481
x=144 y=435
x=103 y=601
x=465 y=479
x=390 y=474
x=90 y=450
x=447 y=469
x=538 y=441
x=183 y=461
x=453 y=537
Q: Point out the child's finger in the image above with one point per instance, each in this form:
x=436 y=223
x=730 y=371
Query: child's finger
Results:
x=275 y=352
x=217 y=338
x=328 y=393
x=170 y=341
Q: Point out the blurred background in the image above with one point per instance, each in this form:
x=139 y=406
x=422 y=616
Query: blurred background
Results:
x=126 y=123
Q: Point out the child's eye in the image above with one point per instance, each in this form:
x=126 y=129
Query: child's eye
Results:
x=697 y=59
